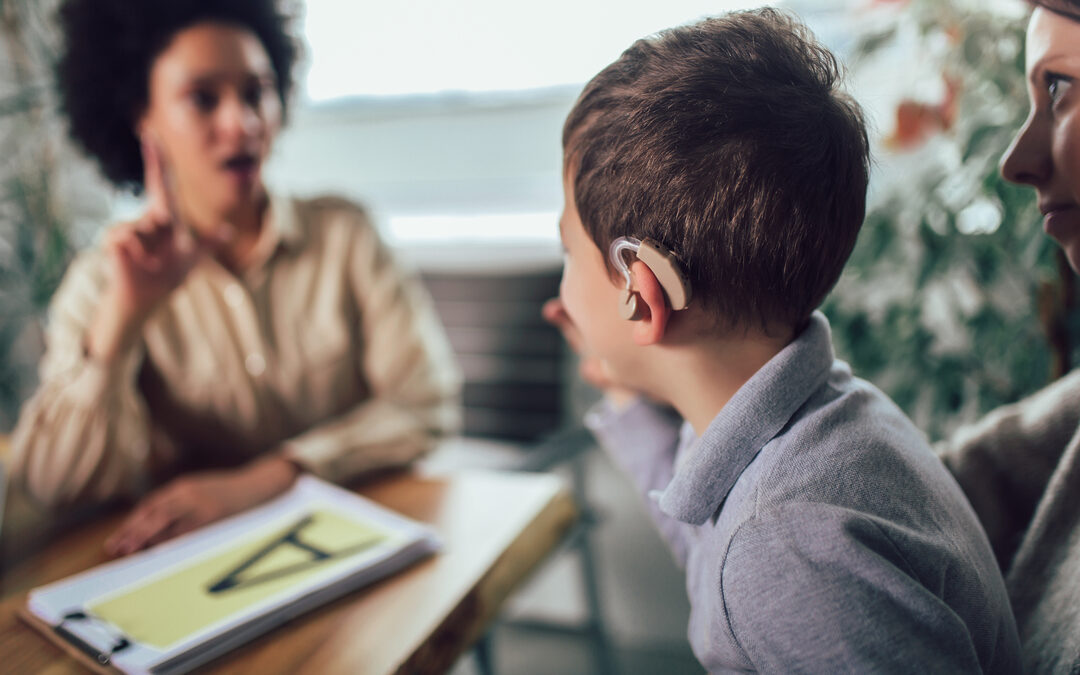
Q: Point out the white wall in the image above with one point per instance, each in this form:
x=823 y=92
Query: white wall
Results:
x=439 y=155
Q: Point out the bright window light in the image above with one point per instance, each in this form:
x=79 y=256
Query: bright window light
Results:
x=507 y=227
x=426 y=46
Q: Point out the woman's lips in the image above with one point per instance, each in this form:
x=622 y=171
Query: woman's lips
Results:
x=241 y=166
x=1057 y=220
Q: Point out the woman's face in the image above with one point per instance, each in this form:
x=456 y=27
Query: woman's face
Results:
x=1046 y=151
x=213 y=108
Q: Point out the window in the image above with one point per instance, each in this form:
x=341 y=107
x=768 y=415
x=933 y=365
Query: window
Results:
x=426 y=46
x=445 y=118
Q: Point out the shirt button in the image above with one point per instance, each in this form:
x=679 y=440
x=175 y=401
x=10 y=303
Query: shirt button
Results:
x=255 y=364
x=234 y=295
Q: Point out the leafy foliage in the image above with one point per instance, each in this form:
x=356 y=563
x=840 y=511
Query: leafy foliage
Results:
x=37 y=194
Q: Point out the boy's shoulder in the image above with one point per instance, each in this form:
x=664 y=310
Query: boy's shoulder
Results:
x=850 y=445
x=850 y=469
x=850 y=465
x=802 y=428
x=832 y=527
x=817 y=527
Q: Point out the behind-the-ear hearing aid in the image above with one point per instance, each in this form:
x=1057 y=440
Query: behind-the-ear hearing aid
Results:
x=663 y=264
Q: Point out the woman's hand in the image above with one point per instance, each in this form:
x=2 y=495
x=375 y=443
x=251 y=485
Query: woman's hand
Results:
x=591 y=367
x=148 y=259
x=195 y=500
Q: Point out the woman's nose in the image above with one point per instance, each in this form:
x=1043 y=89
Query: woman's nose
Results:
x=237 y=118
x=1028 y=160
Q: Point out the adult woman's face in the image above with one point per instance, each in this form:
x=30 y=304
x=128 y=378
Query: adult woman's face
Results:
x=1046 y=151
x=213 y=108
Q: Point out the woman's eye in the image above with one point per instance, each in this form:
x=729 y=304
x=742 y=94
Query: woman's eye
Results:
x=1057 y=86
x=203 y=100
x=253 y=95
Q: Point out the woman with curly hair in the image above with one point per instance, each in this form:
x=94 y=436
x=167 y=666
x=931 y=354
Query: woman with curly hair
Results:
x=229 y=334
x=1020 y=465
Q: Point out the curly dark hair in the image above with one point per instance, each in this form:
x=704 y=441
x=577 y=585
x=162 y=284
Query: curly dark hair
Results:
x=109 y=47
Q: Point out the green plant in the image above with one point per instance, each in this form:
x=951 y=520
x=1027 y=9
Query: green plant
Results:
x=953 y=291
x=35 y=220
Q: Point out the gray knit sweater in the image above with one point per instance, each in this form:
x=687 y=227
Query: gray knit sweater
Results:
x=1020 y=468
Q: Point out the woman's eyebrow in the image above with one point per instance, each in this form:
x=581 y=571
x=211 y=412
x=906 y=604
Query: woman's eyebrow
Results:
x=1048 y=62
x=217 y=76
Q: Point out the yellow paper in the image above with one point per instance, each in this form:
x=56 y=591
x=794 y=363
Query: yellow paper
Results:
x=191 y=598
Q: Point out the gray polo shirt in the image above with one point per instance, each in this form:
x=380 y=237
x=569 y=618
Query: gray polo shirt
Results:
x=818 y=531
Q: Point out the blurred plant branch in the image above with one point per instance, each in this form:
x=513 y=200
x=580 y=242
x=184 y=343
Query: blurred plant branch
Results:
x=35 y=243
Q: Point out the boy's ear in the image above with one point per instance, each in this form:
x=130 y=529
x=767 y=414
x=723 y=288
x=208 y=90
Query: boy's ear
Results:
x=653 y=310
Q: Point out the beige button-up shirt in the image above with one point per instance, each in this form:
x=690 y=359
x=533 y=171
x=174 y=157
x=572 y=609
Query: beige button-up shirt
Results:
x=322 y=350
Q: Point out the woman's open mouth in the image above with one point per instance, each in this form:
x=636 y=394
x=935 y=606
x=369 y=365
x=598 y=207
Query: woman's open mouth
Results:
x=243 y=166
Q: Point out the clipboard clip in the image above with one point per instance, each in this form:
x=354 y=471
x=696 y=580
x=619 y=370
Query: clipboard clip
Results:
x=119 y=640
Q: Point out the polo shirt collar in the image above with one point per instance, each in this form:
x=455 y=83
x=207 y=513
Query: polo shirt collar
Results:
x=754 y=416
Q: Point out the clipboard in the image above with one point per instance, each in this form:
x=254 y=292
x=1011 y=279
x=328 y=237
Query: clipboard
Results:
x=189 y=600
x=85 y=655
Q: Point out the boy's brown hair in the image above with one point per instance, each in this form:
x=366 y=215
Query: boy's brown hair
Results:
x=728 y=142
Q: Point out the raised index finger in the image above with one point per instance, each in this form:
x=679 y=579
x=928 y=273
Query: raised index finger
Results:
x=161 y=190
x=153 y=178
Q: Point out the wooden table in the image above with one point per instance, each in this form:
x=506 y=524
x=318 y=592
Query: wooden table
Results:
x=496 y=528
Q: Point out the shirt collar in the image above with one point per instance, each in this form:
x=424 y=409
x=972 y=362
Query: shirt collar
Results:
x=282 y=228
x=282 y=221
x=753 y=417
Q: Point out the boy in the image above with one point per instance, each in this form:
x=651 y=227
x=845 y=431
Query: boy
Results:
x=715 y=182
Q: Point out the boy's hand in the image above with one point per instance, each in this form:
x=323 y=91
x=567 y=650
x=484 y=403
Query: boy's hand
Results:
x=591 y=367
x=192 y=501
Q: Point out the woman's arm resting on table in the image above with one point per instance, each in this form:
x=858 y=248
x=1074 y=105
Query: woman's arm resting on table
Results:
x=197 y=499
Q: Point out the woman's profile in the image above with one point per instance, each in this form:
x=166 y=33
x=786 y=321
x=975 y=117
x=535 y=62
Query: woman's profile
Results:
x=1020 y=466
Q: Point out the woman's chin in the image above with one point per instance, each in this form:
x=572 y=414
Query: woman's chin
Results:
x=1063 y=227
x=1072 y=252
x=238 y=197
